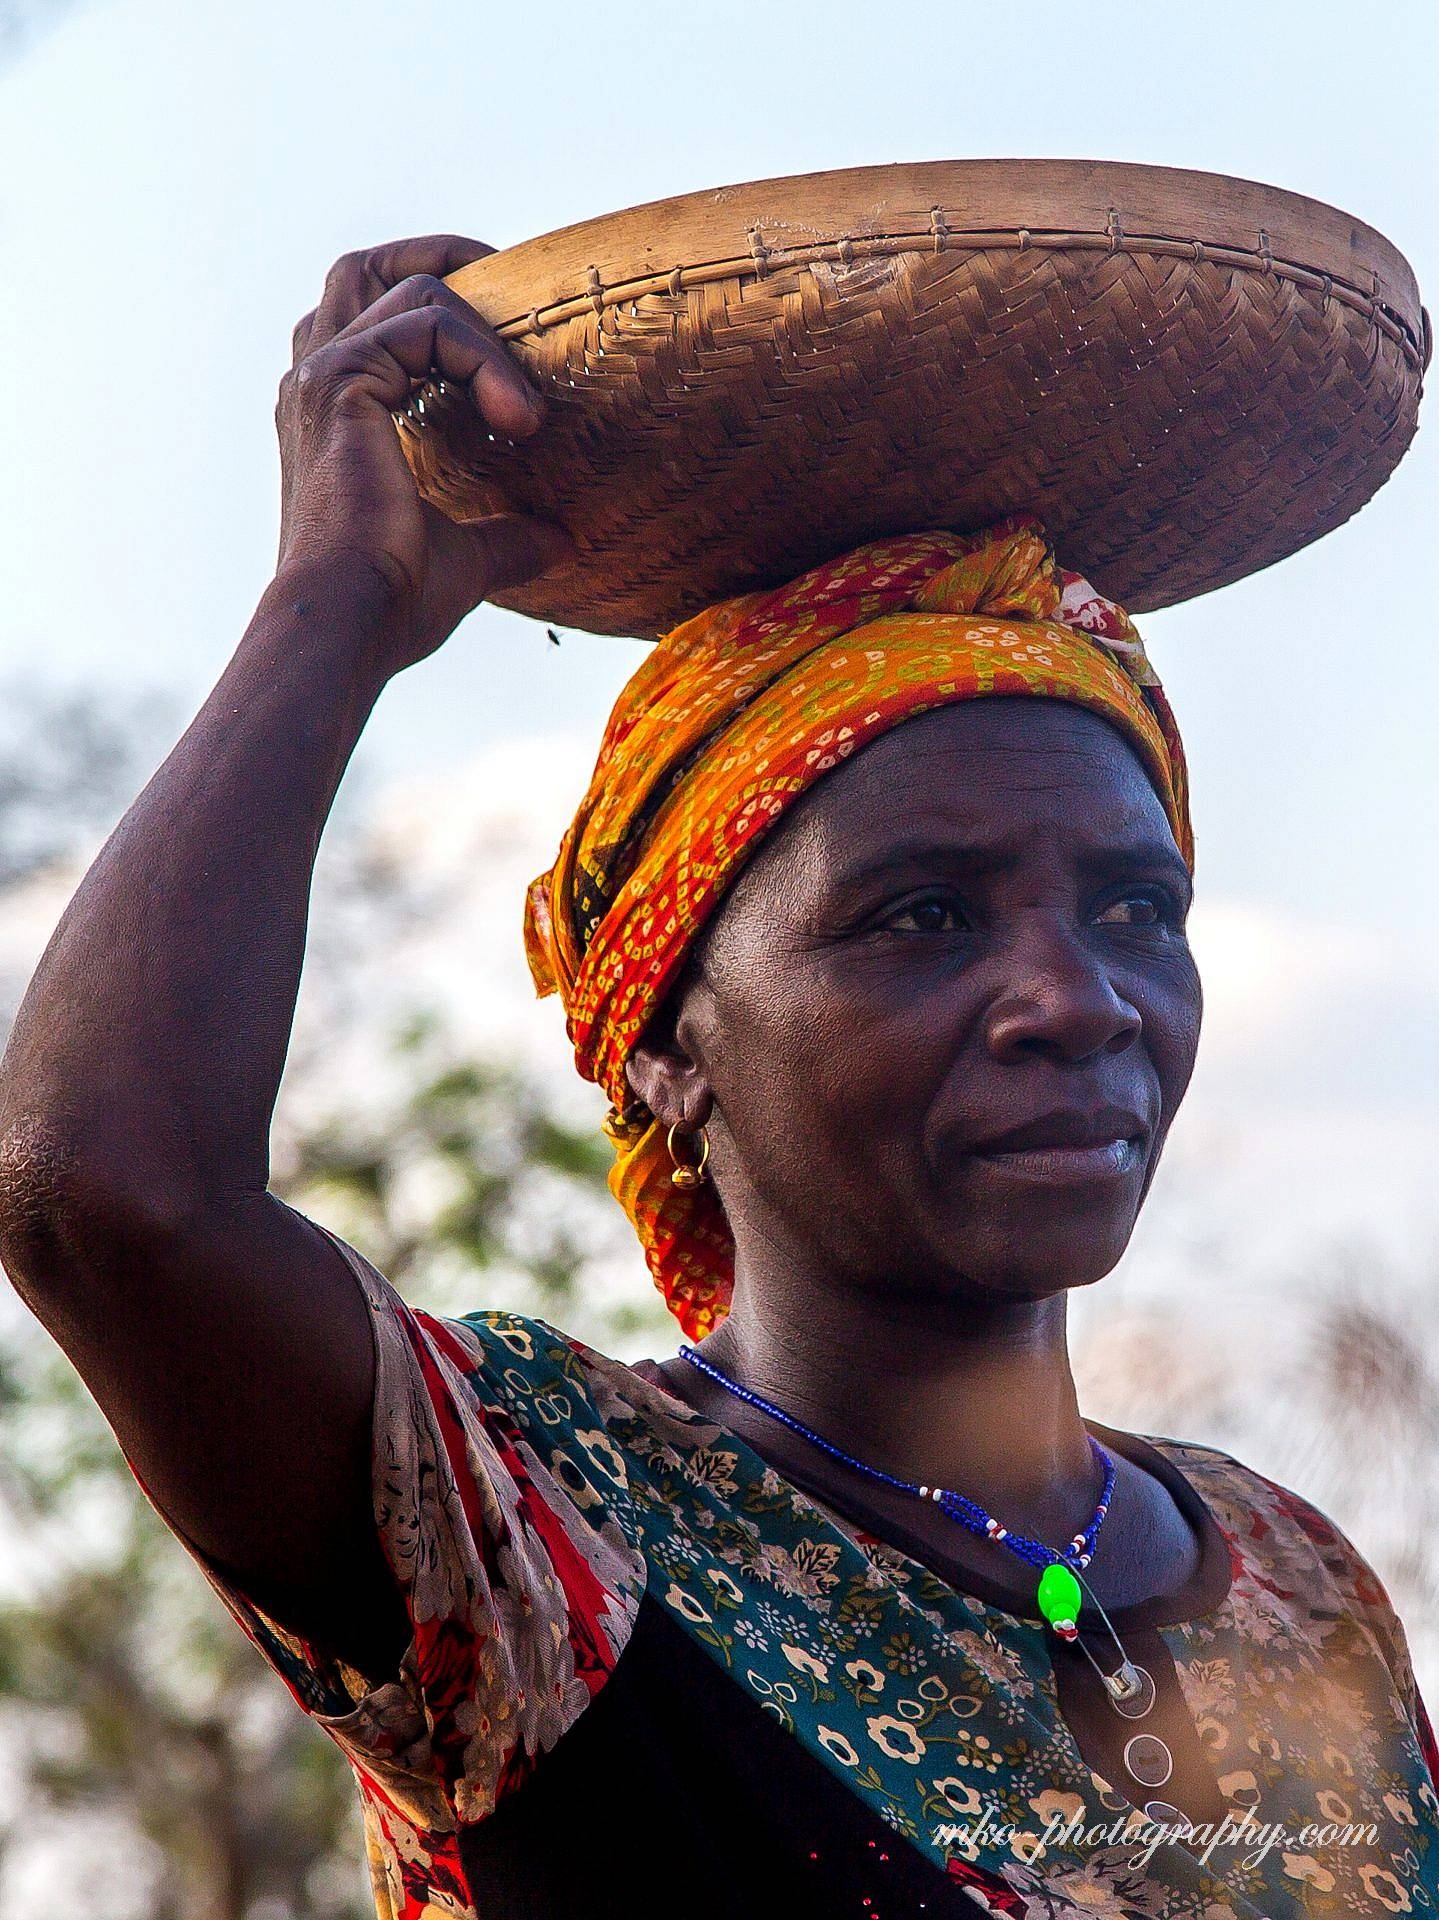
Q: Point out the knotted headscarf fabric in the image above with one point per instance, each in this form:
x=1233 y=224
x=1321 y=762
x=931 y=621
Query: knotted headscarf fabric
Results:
x=732 y=717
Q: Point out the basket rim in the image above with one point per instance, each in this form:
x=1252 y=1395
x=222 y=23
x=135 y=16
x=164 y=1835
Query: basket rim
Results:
x=599 y=298
x=844 y=214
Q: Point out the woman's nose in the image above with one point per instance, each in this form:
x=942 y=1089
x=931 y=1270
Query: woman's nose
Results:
x=1056 y=997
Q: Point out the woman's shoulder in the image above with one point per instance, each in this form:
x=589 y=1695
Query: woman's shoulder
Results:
x=509 y=1359
x=520 y=1355
x=1285 y=1547
x=575 y=1401
x=1255 y=1507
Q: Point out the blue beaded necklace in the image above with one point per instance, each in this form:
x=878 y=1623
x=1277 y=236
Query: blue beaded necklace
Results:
x=1058 y=1594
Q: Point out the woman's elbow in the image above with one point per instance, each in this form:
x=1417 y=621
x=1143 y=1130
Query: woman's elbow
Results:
x=68 y=1204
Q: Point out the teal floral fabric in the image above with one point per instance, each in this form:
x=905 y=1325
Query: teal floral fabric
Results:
x=529 y=1490
x=937 y=1706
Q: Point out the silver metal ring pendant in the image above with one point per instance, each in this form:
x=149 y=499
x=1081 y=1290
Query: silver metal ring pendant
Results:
x=1164 y=1813
x=1148 y=1759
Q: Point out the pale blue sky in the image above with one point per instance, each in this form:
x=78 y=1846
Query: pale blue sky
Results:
x=176 y=179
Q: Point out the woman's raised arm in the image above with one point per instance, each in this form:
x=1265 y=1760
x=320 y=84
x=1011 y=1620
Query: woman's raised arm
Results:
x=138 y=1086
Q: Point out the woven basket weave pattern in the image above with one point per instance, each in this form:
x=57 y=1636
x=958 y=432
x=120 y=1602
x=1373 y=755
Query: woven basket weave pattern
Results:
x=1178 y=414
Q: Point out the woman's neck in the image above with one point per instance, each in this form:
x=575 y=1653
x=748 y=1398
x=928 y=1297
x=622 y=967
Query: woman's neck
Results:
x=975 y=1396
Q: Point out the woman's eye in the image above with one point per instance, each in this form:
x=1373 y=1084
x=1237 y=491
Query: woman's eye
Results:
x=1142 y=910
x=935 y=913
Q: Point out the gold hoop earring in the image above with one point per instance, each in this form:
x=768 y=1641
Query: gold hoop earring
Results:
x=686 y=1175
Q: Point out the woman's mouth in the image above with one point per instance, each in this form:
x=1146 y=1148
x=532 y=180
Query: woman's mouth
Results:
x=1069 y=1147
x=1109 y=1160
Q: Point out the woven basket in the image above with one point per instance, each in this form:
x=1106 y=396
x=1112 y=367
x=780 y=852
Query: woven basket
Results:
x=1185 y=376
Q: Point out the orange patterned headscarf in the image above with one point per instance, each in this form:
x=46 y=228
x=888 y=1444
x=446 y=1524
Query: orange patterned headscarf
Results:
x=728 y=721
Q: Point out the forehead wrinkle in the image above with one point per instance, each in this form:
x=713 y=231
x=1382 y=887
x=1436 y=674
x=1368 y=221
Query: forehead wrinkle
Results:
x=1031 y=764
x=936 y=777
x=995 y=729
x=799 y=857
x=977 y=812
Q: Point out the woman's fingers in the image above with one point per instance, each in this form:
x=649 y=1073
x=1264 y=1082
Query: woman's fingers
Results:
x=423 y=327
x=386 y=323
x=358 y=279
x=517 y=548
x=300 y=338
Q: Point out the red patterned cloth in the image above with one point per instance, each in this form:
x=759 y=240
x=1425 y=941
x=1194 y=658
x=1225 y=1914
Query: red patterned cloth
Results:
x=730 y=719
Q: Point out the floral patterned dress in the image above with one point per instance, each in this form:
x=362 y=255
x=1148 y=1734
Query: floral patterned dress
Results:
x=651 y=1675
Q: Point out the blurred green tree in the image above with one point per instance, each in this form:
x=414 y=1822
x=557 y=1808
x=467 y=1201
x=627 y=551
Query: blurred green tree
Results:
x=134 y=1695
x=157 y=1770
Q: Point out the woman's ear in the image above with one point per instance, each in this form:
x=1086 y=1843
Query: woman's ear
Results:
x=664 y=1069
x=673 y=1086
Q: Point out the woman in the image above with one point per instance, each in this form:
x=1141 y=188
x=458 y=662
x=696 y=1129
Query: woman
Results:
x=881 y=959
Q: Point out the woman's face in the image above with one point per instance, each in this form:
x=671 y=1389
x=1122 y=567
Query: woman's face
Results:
x=942 y=1023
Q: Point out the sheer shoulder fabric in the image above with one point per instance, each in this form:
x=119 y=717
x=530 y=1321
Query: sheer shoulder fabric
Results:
x=1364 y=1596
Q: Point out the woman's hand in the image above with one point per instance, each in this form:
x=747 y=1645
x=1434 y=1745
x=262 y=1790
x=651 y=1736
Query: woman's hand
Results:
x=349 y=500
